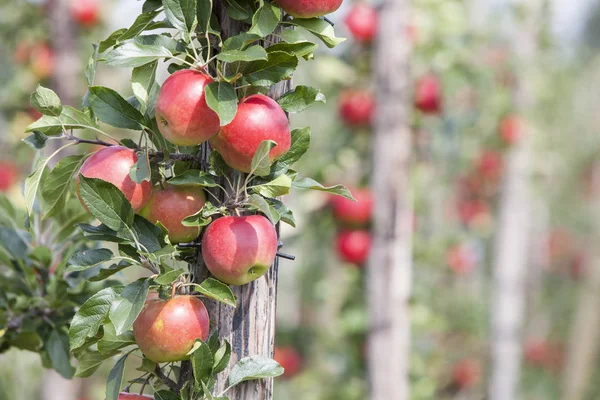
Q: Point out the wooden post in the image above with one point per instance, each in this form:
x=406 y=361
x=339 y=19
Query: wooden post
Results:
x=514 y=231
x=250 y=328
x=389 y=270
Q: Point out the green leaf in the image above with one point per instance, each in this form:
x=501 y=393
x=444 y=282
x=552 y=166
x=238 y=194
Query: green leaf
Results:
x=202 y=361
x=299 y=147
x=140 y=171
x=277 y=187
x=37 y=140
x=90 y=67
x=143 y=79
x=182 y=14
x=193 y=177
x=89 y=363
x=30 y=341
x=222 y=357
x=92 y=314
x=111 y=108
x=166 y=395
x=238 y=42
x=218 y=166
x=318 y=27
x=115 y=378
x=57 y=347
x=70 y=118
x=261 y=162
x=261 y=205
x=300 y=49
x=151 y=5
x=169 y=276
x=105 y=273
x=85 y=259
x=221 y=98
x=237 y=11
x=217 y=290
x=278 y=67
x=132 y=54
x=252 y=368
x=58 y=181
x=111 y=40
x=203 y=13
x=106 y=203
x=46 y=101
x=141 y=23
x=265 y=20
x=300 y=99
x=174 y=46
x=285 y=214
x=112 y=342
x=202 y=217
x=252 y=53
x=124 y=311
x=311 y=184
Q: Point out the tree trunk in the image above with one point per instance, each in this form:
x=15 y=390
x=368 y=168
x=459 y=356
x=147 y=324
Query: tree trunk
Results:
x=512 y=240
x=250 y=328
x=66 y=69
x=389 y=269
x=583 y=346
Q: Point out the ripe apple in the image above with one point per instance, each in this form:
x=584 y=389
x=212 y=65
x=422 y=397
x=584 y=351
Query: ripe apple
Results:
x=490 y=165
x=171 y=205
x=289 y=358
x=182 y=114
x=133 y=396
x=166 y=330
x=9 y=175
x=42 y=61
x=354 y=246
x=353 y=213
x=309 y=8
x=85 y=12
x=461 y=259
x=428 y=94
x=535 y=352
x=511 y=129
x=238 y=250
x=357 y=107
x=112 y=164
x=258 y=118
x=362 y=22
x=466 y=373
x=473 y=212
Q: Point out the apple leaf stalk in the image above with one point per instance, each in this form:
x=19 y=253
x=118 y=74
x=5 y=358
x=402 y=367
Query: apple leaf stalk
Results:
x=161 y=197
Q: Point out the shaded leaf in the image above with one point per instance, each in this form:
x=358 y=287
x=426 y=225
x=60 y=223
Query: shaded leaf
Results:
x=254 y=367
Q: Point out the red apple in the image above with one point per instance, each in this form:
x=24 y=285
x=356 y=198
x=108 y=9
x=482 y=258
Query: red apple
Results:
x=466 y=373
x=472 y=211
x=166 y=330
x=182 y=114
x=461 y=259
x=289 y=358
x=354 y=246
x=112 y=164
x=9 y=175
x=428 y=94
x=133 y=396
x=511 y=129
x=42 y=61
x=258 y=118
x=535 y=352
x=362 y=21
x=309 y=8
x=171 y=205
x=490 y=165
x=353 y=213
x=239 y=250
x=85 y=12
x=357 y=107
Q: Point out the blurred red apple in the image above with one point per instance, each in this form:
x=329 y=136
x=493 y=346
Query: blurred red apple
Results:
x=357 y=107
x=42 y=61
x=461 y=259
x=466 y=373
x=166 y=330
x=9 y=175
x=239 y=250
x=362 y=21
x=511 y=129
x=490 y=165
x=113 y=164
x=170 y=205
x=543 y=354
x=258 y=118
x=86 y=12
x=353 y=213
x=182 y=114
x=428 y=94
x=309 y=8
x=354 y=246
x=289 y=358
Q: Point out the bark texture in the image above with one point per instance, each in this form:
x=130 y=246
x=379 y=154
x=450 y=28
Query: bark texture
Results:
x=389 y=271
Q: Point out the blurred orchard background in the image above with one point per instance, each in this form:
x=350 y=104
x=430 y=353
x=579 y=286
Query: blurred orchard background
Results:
x=504 y=180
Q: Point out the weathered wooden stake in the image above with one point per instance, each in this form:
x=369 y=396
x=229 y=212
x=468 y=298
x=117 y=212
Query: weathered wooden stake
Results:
x=389 y=271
